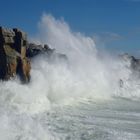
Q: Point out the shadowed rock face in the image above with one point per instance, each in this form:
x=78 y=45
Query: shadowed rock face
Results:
x=3 y=66
x=34 y=50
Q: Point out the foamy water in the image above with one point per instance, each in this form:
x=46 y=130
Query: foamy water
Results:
x=80 y=99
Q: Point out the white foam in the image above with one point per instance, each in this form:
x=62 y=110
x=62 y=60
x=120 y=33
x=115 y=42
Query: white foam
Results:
x=85 y=75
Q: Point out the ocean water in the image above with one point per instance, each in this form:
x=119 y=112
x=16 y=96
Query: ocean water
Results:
x=85 y=119
x=81 y=98
x=117 y=119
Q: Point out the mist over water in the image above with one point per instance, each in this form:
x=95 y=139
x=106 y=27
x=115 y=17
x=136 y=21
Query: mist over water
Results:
x=82 y=84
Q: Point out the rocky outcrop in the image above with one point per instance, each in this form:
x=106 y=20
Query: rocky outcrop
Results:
x=16 y=52
x=13 y=59
x=34 y=50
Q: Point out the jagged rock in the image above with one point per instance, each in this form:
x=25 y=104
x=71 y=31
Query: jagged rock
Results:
x=15 y=52
x=34 y=50
x=13 y=60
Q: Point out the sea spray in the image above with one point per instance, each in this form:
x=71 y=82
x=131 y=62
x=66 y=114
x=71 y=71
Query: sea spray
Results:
x=85 y=75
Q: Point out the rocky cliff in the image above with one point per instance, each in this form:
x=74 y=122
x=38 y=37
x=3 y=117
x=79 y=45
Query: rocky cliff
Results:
x=16 y=52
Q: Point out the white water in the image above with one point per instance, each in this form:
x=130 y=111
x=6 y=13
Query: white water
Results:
x=80 y=99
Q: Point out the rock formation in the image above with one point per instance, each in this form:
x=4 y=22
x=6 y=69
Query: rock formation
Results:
x=13 y=60
x=16 y=52
x=34 y=50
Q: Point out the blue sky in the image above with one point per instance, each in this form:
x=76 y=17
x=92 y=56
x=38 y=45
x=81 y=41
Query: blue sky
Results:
x=115 y=24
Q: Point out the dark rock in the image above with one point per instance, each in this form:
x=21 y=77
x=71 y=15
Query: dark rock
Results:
x=3 y=62
x=34 y=50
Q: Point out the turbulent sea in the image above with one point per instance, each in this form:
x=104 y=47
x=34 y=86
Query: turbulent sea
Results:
x=91 y=96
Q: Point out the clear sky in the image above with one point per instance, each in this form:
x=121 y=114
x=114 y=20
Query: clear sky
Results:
x=114 y=24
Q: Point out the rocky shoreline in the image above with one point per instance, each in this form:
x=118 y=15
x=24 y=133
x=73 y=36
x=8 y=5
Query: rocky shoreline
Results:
x=16 y=54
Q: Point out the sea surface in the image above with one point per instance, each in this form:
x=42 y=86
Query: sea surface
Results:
x=116 y=119
x=86 y=119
